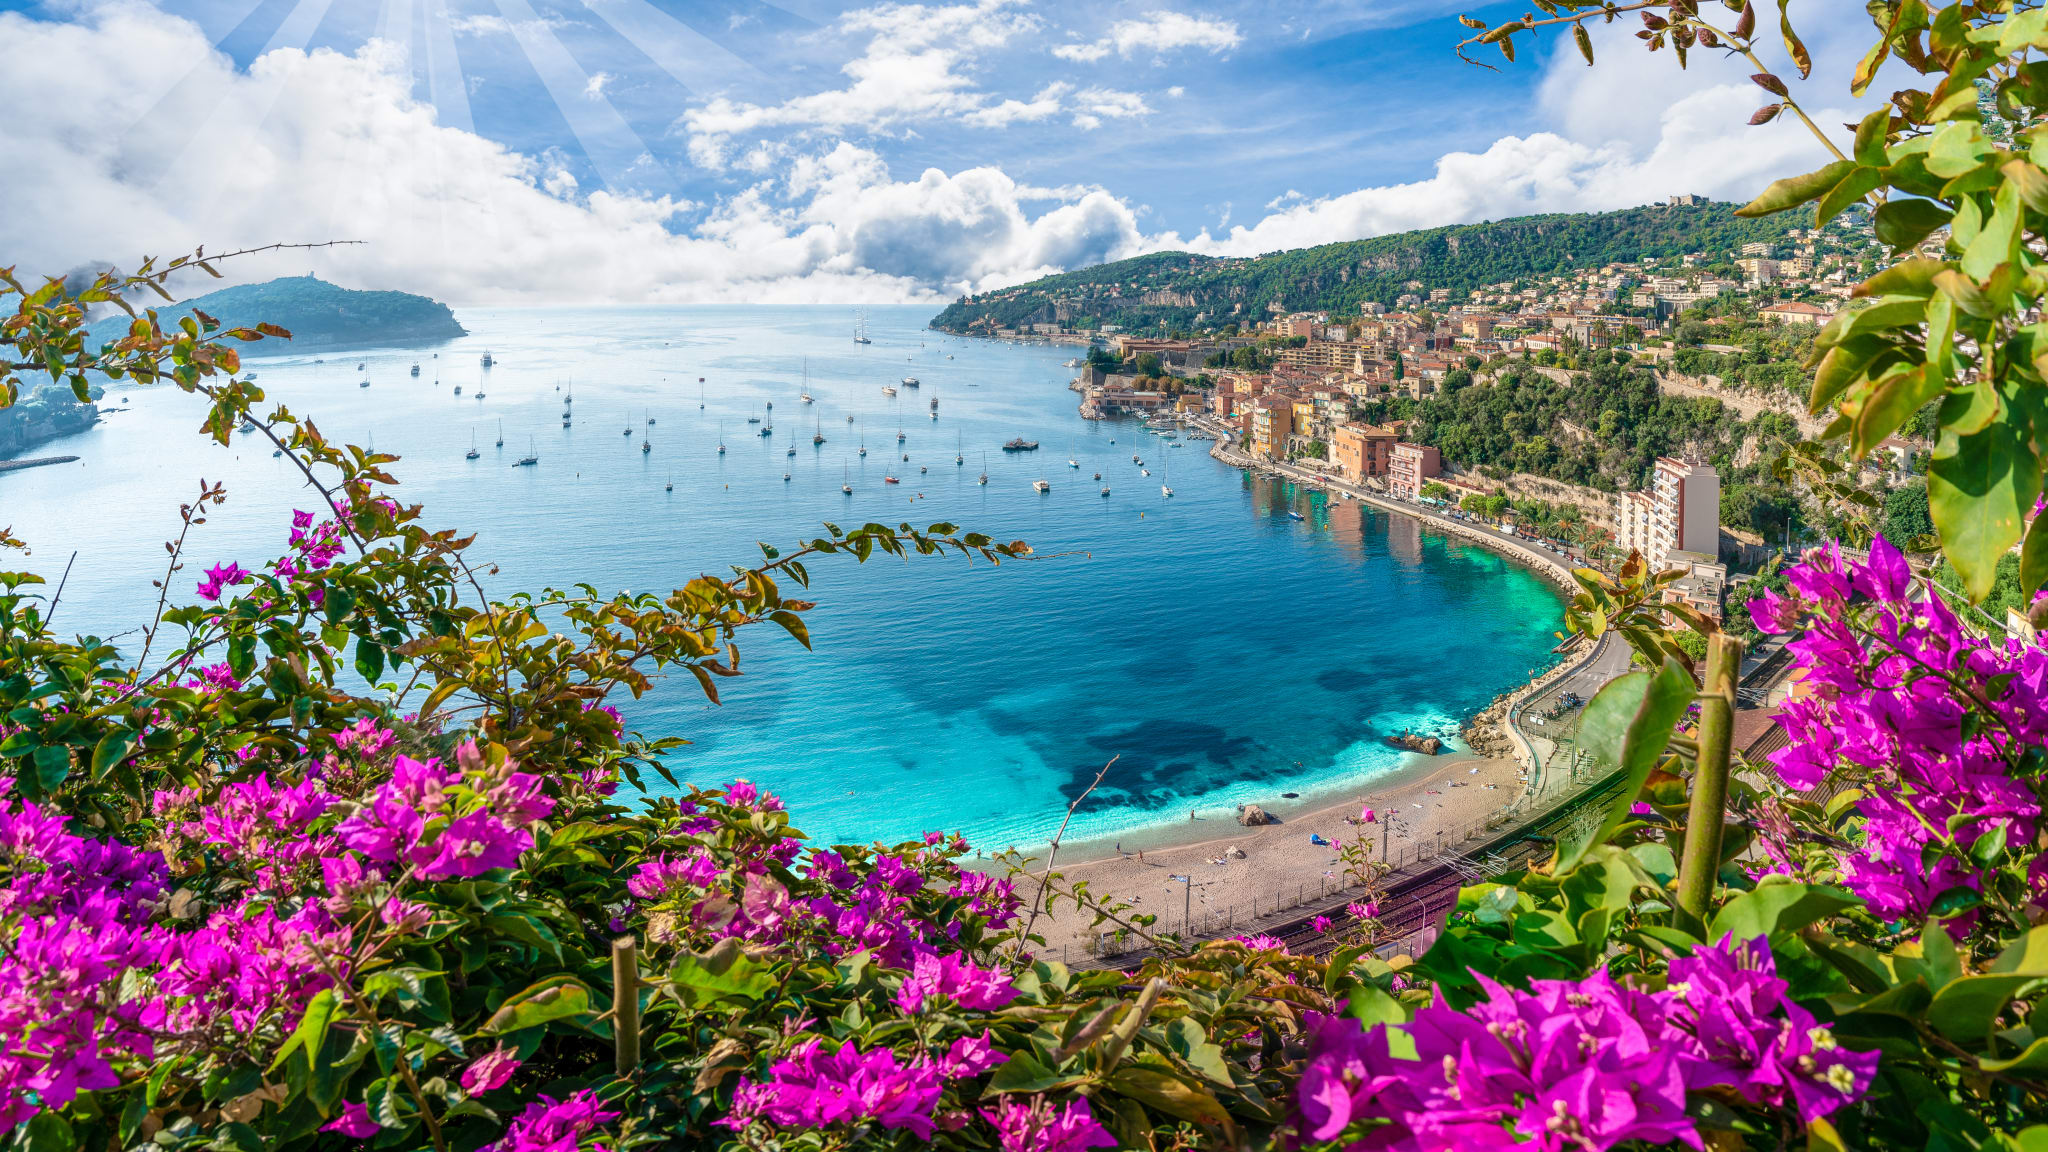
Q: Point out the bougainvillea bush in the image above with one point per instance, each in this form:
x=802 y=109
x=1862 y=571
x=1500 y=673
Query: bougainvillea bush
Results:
x=337 y=852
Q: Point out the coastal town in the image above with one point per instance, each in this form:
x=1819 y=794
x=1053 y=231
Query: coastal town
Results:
x=1300 y=390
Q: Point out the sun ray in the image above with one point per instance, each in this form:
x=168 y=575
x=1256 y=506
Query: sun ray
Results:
x=697 y=62
x=447 y=87
x=610 y=143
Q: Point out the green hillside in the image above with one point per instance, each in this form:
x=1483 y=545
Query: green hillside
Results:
x=317 y=314
x=1171 y=288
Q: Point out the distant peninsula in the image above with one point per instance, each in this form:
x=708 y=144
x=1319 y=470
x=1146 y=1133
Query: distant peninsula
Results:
x=1181 y=290
x=319 y=315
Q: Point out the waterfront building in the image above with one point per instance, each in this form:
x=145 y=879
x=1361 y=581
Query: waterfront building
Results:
x=1362 y=451
x=1272 y=424
x=1410 y=466
x=1680 y=511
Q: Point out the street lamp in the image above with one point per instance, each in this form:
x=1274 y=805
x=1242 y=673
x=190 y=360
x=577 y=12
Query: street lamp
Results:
x=1187 y=900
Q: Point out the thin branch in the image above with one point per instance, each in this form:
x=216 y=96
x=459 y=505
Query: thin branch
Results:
x=59 y=593
x=1038 y=897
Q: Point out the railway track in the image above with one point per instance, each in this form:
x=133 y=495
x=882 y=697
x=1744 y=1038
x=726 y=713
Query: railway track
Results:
x=1418 y=899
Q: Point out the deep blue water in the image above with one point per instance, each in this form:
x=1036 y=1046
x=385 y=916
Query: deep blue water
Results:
x=1224 y=651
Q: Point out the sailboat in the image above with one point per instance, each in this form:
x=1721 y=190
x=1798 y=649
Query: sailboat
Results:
x=415 y=368
x=700 y=393
x=984 y=469
x=1073 y=463
x=1166 y=485
x=1041 y=486
x=768 y=427
x=805 y=394
x=501 y=433
x=860 y=330
x=817 y=433
x=486 y=359
x=959 y=457
x=845 y=483
x=570 y=397
x=721 y=438
x=531 y=458
x=671 y=485
x=935 y=401
x=472 y=453
x=888 y=389
x=899 y=435
x=863 y=438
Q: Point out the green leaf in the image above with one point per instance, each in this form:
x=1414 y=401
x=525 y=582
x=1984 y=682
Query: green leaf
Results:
x=1793 y=191
x=2026 y=956
x=1902 y=223
x=1979 y=487
x=1022 y=1073
x=1967 y=1008
x=554 y=998
x=48 y=1131
x=2034 y=556
x=725 y=973
x=1772 y=908
x=1625 y=727
x=1870 y=138
x=2033 y=1059
x=1896 y=398
x=369 y=659
x=113 y=748
x=1860 y=182
x=311 y=1033
x=1192 y=1044
x=1169 y=1093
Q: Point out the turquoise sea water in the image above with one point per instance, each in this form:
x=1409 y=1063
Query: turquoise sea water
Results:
x=1223 y=650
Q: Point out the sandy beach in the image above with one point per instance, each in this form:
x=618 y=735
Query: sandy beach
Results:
x=1279 y=862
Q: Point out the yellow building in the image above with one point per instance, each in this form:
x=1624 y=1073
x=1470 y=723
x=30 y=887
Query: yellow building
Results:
x=1272 y=423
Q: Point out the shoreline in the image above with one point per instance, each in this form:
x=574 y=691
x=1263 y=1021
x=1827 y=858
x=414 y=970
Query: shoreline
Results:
x=1216 y=823
x=1236 y=874
x=1320 y=805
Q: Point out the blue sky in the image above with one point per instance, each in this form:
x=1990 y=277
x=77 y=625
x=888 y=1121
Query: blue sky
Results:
x=733 y=149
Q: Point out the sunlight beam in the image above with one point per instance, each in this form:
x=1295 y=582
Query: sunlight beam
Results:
x=697 y=62
x=610 y=144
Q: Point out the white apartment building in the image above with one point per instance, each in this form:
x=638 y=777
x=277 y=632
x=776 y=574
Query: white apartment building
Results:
x=1681 y=512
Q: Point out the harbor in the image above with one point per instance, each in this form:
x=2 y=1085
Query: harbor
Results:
x=1011 y=684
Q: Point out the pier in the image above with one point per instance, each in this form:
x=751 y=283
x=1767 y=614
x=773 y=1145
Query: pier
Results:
x=38 y=462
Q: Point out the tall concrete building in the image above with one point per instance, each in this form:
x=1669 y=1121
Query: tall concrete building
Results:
x=1680 y=512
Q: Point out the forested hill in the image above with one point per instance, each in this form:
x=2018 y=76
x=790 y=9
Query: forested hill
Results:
x=1172 y=287
x=317 y=314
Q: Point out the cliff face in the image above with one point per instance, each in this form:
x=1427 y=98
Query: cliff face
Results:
x=44 y=414
x=319 y=315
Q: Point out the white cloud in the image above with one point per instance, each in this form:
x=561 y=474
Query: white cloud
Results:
x=593 y=88
x=1156 y=32
x=1045 y=103
x=332 y=146
x=913 y=68
x=1094 y=105
x=1631 y=131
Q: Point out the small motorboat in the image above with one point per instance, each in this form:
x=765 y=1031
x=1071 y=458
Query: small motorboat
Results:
x=1105 y=489
x=891 y=480
x=1041 y=486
